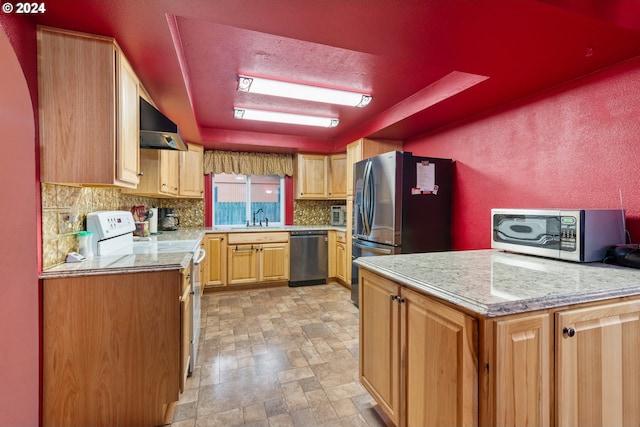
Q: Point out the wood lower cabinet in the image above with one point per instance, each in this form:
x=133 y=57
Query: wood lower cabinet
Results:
x=427 y=363
x=418 y=357
x=215 y=263
x=523 y=371
x=257 y=258
x=341 y=257
x=598 y=365
x=112 y=348
x=338 y=256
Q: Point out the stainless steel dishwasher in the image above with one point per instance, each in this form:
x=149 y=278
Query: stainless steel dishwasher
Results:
x=309 y=257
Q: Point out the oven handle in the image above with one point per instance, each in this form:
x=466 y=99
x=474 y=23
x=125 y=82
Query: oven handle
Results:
x=199 y=256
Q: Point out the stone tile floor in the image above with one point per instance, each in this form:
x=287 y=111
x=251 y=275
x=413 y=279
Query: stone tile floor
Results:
x=277 y=357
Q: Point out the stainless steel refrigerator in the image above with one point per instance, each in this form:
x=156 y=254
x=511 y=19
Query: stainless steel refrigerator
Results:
x=401 y=204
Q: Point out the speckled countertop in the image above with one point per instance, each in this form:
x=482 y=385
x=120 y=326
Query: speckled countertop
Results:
x=243 y=229
x=495 y=283
x=152 y=260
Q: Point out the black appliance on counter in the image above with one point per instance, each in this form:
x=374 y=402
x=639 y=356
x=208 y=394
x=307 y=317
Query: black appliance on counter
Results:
x=402 y=204
x=167 y=219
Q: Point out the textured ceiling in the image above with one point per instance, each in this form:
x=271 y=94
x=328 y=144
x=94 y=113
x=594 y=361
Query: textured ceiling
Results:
x=427 y=63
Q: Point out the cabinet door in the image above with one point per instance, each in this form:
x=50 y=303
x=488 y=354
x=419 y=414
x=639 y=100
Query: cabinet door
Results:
x=338 y=176
x=128 y=126
x=380 y=342
x=354 y=155
x=311 y=179
x=274 y=262
x=440 y=378
x=216 y=260
x=522 y=371
x=191 y=171
x=242 y=264
x=598 y=365
x=331 y=253
x=169 y=172
x=341 y=261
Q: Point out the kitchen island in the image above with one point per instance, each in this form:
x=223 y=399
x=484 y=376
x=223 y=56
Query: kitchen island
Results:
x=493 y=338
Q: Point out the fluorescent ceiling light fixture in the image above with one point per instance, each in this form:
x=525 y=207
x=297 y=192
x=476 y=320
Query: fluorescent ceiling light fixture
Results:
x=277 y=117
x=298 y=91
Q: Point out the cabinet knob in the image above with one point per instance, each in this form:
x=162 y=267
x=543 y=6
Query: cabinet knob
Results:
x=394 y=297
x=140 y=173
x=568 y=331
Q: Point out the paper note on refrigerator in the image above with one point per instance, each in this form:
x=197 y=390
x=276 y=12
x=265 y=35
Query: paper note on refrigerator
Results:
x=426 y=177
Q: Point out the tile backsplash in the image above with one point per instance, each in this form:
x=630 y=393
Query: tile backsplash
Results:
x=313 y=212
x=59 y=202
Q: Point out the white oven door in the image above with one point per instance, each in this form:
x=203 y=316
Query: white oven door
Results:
x=198 y=257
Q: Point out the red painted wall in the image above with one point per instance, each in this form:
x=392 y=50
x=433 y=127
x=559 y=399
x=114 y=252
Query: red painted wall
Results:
x=19 y=219
x=574 y=147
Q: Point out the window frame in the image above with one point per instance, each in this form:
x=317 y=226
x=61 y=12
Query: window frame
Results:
x=248 y=212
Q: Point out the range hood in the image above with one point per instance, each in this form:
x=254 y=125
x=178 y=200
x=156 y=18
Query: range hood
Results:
x=157 y=131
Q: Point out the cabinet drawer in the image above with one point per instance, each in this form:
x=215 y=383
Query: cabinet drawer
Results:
x=341 y=236
x=243 y=238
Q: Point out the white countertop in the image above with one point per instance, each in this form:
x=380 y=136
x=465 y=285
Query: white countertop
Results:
x=494 y=283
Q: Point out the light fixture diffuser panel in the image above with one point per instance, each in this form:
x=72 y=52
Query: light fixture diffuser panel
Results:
x=304 y=92
x=288 y=118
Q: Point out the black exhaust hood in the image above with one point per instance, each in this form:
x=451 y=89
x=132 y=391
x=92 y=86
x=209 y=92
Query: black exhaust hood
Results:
x=157 y=131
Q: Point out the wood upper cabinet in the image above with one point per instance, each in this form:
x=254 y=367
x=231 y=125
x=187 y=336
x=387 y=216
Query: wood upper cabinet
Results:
x=89 y=110
x=362 y=149
x=598 y=365
x=311 y=176
x=192 y=171
x=215 y=263
x=522 y=370
x=159 y=173
x=337 y=176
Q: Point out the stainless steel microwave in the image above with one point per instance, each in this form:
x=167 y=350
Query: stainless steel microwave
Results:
x=339 y=215
x=574 y=235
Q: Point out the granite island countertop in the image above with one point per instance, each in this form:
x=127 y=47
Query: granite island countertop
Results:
x=494 y=283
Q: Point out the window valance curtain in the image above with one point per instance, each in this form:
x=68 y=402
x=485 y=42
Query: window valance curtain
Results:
x=247 y=163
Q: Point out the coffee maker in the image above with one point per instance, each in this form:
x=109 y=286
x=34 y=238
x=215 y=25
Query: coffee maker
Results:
x=167 y=221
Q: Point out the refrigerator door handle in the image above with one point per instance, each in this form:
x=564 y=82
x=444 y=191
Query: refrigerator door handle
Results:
x=372 y=249
x=367 y=203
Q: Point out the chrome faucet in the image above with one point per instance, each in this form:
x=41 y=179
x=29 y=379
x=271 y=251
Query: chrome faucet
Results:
x=254 y=215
